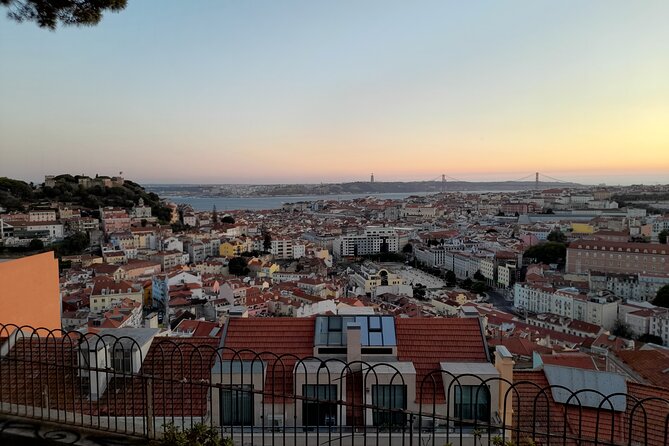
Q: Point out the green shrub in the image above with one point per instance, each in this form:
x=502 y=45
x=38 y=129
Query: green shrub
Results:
x=198 y=435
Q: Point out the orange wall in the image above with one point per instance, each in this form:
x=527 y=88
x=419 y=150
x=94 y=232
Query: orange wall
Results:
x=29 y=292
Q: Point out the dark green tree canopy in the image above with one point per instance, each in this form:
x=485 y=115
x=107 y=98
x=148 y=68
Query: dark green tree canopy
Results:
x=662 y=236
x=451 y=278
x=50 y=13
x=662 y=298
x=237 y=266
x=549 y=252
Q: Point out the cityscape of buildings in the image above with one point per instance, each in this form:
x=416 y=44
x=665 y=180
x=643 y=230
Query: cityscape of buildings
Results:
x=404 y=282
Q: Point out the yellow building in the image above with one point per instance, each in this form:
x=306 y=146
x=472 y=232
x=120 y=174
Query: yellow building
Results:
x=582 y=228
x=234 y=248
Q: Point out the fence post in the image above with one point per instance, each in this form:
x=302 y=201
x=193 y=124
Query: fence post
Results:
x=46 y=401
x=149 y=408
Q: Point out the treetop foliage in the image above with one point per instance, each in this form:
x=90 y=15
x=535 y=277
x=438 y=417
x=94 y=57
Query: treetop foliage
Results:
x=51 y=13
x=549 y=252
x=662 y=297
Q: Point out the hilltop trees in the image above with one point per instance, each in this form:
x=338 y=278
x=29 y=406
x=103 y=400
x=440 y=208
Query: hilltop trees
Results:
x=16 y=195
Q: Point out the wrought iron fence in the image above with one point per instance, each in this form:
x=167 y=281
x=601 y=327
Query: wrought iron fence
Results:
x=137 y=386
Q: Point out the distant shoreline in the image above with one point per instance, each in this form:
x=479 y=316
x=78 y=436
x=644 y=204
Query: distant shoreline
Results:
x=346 y=189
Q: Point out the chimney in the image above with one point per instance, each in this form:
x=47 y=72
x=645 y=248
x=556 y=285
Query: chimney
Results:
x=353 y=342
x=504 y=365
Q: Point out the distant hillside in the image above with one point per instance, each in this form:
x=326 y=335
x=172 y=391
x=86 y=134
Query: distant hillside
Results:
x=426 y=186
x=270 y=190
x=17 y=195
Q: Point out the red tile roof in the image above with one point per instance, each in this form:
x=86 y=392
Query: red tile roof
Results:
x=584 y=422
x=42 y=370
x=428 y=341
x=577 y=360
x=180 y=369
x=651 y=364
x=287 y=338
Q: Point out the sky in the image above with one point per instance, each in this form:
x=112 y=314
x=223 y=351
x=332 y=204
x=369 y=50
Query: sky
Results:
x=221 y=91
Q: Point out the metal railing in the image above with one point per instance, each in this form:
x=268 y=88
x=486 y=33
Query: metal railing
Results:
x=137 y=387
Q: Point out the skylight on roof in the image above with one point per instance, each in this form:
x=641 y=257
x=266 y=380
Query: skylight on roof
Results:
x=376 y=331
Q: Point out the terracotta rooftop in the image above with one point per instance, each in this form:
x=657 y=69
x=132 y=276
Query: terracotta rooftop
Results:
x=287 y=338
x=428 y=341
x=585 y=422
x=651 y=364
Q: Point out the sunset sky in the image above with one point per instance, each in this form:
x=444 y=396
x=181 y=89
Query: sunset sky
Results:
x=309 y=91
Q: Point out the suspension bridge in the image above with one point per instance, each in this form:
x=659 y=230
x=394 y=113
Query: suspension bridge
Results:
x=537 y=177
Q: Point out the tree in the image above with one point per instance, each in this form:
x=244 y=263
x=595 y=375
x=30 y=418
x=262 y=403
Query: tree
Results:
x=214 y=215
x=662 y=236
x=467 y=283
x=662 y=297
x=622 y=329
x=650 y=339
x=549 y=252
x=557 y=236
x=407 y=249
x=451 y=278
x=478 y=276
x=36 y=244
x=238 y=266
x=479 y=287
x=73 y=244
x=228 y=219
x=49 y=14
x=267 y=242
x=419 y=291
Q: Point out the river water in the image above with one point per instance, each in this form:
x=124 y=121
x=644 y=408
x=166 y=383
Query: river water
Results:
x=258 y=203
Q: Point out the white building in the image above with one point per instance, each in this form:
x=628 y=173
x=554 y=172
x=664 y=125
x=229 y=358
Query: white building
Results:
x=374 y=240
x=599 y=309
x=369 y=276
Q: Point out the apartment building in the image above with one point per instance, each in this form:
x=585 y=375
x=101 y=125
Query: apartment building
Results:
x=108 y=292
x=393 y=361
x=638 y=287
x=42 y=215
x=114 y=220
x=373 y=240
x=616 y=257
x=595 y=308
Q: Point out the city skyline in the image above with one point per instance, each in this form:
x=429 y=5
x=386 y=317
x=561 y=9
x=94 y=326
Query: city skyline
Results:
x=300 y=92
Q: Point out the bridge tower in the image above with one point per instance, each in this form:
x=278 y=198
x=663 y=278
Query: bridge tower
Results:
x=536 y=181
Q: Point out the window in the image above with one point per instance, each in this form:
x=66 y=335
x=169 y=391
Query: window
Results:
x=237 y=406
x=472 y=403
x=122 y=359
x=322 y=412
x=389 y=397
